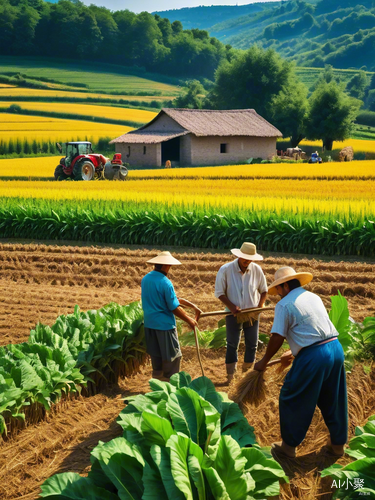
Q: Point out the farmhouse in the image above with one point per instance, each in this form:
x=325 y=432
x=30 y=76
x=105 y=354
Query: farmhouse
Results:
x=199 y=137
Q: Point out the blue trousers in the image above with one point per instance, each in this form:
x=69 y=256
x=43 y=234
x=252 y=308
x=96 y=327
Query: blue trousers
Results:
x=234 y=336
x=317 y=378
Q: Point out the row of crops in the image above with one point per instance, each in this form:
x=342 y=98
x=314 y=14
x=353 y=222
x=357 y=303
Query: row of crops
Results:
x=185 y=441
x=158 y=224
x=80 y=352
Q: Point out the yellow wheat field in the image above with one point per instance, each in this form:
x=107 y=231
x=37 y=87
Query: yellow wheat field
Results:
x=54 y=129
x=41 y=167
x=346 y=198
x=12 y=91
x=115 y=113
x=358 y=145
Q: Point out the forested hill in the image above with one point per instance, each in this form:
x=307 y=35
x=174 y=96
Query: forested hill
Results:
x=72 y=30
x=204 y=17
x=309 y=32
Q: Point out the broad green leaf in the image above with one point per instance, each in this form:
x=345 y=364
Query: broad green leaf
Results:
x=156 y=429
x=230 y=464
x=122 y=462
x=179 y=449
x=216 y=484
x=161 y=457
x=153 y=485
x=181 y=379
x=206 y=389
x=72 y=486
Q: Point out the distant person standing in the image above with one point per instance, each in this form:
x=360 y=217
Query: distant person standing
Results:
x=160 y=306
x=241 y=284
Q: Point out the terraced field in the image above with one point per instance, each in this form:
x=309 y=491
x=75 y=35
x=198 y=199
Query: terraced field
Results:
x=39 y=282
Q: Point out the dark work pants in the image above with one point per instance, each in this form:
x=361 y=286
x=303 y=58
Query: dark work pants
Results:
x=165 y=369
x=317 y=378
x=234 y=336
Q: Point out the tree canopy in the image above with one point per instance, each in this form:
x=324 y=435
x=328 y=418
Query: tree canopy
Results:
x=332 y=114
x=72 y=30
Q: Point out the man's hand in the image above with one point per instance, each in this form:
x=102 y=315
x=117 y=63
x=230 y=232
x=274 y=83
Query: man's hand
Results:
x=198 y=313
x=234 y=310
x=191 y=322
x=261 y=365
x=287 y=358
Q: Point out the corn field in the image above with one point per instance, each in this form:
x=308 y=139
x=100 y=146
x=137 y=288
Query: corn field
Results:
x=158 y=225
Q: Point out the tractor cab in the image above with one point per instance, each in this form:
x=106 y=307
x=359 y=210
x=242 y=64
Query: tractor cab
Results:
x=74 y=149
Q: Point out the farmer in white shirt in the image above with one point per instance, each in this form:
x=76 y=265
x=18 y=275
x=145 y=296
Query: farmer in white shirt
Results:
x=241 y=284
x=317 y=376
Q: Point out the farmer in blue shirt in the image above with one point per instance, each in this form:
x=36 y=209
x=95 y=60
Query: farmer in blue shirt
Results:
x=160 y=306
x=317 y=376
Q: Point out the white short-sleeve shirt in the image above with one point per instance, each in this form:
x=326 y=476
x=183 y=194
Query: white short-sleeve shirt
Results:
x=242 y=289
x=302 y=319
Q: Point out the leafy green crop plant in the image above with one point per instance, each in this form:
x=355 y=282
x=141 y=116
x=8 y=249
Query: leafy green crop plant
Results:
x=181 y=441
x=81 y=350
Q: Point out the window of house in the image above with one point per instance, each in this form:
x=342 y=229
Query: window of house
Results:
x=223 y=148
x=144 y=150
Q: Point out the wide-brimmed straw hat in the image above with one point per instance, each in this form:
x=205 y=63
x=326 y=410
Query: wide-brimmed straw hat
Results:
x=285 y=274
x=165 y=258
x=248 y=251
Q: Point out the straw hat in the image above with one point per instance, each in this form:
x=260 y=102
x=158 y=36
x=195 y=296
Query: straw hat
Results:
x=164 y=258
x=248 y=251
x=285 y=274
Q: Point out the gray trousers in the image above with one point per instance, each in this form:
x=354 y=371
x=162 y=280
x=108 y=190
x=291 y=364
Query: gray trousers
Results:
x=234 y=336
x=164 y=350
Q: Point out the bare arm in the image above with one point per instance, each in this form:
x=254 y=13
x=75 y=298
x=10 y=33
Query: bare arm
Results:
x=233 y=309
x=262 y=300
x=276 y=341
x=180 y=313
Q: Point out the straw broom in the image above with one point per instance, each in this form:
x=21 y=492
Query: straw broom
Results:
x=252 y=388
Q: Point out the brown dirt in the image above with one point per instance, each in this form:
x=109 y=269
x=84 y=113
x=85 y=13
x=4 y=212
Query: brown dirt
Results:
x=39 y=282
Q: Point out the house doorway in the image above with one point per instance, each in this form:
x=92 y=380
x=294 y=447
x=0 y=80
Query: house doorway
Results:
x=170 y=150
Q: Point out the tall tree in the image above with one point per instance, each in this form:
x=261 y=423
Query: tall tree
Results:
x=357 y=85
x=262 y=80
x=332 y=114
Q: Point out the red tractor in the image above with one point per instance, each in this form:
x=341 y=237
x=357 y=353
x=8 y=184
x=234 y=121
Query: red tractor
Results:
x=81 y=164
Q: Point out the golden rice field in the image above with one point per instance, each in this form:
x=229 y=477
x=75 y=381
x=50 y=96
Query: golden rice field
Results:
x=54 y=129
x=356 y=144
x=112 y=112
x=41 y=167
x=11 y=91
x=347 y=198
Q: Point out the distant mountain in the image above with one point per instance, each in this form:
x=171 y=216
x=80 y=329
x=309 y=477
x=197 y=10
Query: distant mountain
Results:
x=314 y=33
x=205 y=17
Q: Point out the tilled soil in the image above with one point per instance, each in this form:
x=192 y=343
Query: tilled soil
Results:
x=39 y=282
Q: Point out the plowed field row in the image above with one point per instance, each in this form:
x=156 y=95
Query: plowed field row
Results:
x=39 y=282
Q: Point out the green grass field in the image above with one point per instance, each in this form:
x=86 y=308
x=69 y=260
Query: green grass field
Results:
x=98 y=77
x=309 y=75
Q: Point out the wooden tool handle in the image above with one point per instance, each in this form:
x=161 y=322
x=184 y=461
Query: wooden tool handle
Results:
x=274 y=362
x=227 y=313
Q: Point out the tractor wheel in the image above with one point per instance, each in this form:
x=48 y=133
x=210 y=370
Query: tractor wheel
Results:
x=115 y=172
x=60 y=175
x=84 y=171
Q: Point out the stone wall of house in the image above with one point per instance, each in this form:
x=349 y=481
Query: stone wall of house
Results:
x=206 y=150
x=185 y=150
x=140 y=154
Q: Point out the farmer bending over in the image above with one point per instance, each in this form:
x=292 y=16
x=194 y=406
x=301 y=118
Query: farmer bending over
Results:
x=241 y=284
x=317 y=376
x=160 y=306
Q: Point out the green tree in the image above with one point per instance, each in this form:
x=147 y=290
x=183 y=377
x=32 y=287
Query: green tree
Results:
x=357 y=85
x=290 y=111
x=332 y=114
x=192 y=97
x=262 y=80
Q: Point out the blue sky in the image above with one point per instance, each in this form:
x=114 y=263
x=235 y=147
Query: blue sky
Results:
x=152 y=5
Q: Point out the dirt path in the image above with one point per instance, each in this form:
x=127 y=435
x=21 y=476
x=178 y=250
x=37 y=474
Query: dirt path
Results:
x=39 y=282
